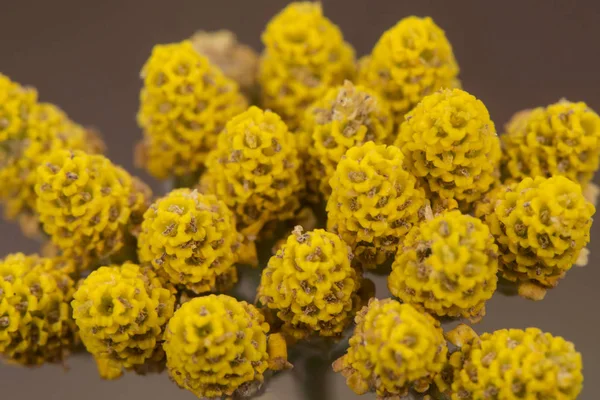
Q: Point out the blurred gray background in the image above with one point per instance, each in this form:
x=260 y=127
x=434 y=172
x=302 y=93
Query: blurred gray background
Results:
x=86 y=57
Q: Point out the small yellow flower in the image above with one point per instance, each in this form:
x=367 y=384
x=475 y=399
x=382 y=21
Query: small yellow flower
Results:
x=513 y=364
x=191 y=239
x=121 y=312
x=560 y=139
x=35 y=312
x=541 y=225
x=374 y=201
x=184 y=105
x=447 y=266
x=450 y=142
x=305 y=54
x=346 y=116
x=255 y=170
x=311 y=285
x=394 y=348
x=410 y=61
x=85 y=203
x=218 y=347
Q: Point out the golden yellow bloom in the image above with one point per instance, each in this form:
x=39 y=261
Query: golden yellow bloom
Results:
x=540 y=226
x=255 y=170
x=218 y=347
x=346 y=116
x=560 y=139
x=184 y=105
x=32 y=130
x=35 y=314
x=191 y=239
x=513 y=364
x=450 y=142
x=410 y=61
x=121 y=312
x=447 y=266
x=394 y=348
x=237 y=61
x=305 y=54
x=311 y=285
x=85 y=203
x=374 y=201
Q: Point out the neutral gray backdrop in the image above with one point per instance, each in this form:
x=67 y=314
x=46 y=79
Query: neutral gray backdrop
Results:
x=86 y=57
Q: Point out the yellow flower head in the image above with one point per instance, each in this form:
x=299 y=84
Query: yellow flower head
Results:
x=560 y=139
x=514 y=364
x=540 y=226
x=191 y=239
x=394 y=348
x=32 y=130
x=447 y=266
x=121 y=312
x=311 y=284
x=255 y=170
x=85 y=203
x=410 y=61
x=374 y=201
x=35 y=314
x=184 y=105
x=217 y=346
x=346 y=116
x=450 y=142
x=305 y=54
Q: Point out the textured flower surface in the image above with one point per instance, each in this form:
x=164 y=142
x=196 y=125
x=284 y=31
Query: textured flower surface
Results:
x=374 y=201
x=35 y=314
x=447 y=266
x=222 y=48
x=218 y=347
x=394 y=348
x=121 y=312
x=541 y=225
x=191 y=239
x=513 y=364
x=255 y=170
x=305 y=54
x=346 y=116
x=85 y=203
x=560 y=139
x=184 y=104
x=311 y=284
x=32 y=130
x=450 y=142
x=410 y=61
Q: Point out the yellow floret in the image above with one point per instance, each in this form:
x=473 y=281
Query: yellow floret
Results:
x=374 y=201
x=32 y=130
x=410 y=61
x=237 y=61
x=560 y=139
x=311 y=285
x=305 y=54
x=541 y=225
x=218 y=347
x=35 y=314
x=85 y=203
x=394 y=348
x=121 y=312
x=447 y=266
x=191 y=239
x=184 y=105
x=514 y=364
x=450 y=142
x=255 y=170
x=344 y=117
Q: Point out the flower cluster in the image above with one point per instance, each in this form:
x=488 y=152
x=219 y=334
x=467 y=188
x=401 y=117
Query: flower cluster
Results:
x=324 y=171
